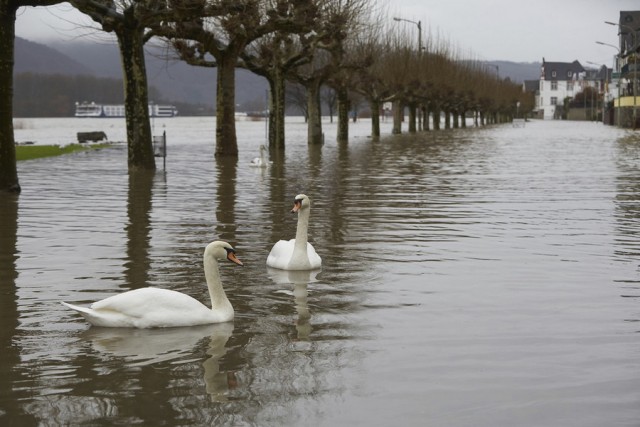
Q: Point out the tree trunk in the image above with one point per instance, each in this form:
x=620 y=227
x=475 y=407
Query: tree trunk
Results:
x=398 y=115
x=136 y=99
x=279 y=106
x=412 y=117
x=8 y=168
x=425 y=118
x=374 y=106
x=436 y=117
x=456 y=118
x=226 y=140
x=314 y=130
x=343 y=115
x=447 y=118
x=271 y=118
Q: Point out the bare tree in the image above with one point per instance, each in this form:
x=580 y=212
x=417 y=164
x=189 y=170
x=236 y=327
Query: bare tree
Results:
x=368 y=81
x=9 y=182
x=336 y=20
x=296 y=96
x=218 y=32
x=273 y=56
x=130 y=21
x=328 y=96
x=311 y=76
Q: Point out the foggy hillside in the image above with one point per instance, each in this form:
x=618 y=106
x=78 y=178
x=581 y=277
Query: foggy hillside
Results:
x=176 y=80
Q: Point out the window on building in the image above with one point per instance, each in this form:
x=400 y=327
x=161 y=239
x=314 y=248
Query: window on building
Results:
x=553 y=73
x=554 y=100
x=554 y=85
x=570 y=86
x=569 y=74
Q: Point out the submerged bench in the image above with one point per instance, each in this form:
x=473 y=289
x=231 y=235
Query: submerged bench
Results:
x=92 y=136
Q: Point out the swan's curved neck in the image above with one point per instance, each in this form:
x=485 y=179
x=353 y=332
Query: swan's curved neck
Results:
x=300 y=246
x=216 y=292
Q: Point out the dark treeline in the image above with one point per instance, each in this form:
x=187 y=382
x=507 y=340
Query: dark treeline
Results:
x=54 y=95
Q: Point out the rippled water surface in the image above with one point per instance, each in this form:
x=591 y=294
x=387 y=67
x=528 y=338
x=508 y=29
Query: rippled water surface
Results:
x=475 y=277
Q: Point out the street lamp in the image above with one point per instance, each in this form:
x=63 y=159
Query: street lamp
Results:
x=618 y=83
x=419 y=24
x=497 y=67
x=610 y=45
x=635 y=67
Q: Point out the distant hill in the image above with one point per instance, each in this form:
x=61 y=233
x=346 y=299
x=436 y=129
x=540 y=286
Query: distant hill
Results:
x=518 y=72
x=33 y=57
x=175 y=80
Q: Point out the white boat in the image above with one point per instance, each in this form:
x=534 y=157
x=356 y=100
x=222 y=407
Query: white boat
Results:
x=156 y=110
x=91 y=109
x=88 y=109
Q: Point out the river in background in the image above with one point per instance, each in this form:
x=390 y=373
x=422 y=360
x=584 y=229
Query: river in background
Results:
x=473 y=277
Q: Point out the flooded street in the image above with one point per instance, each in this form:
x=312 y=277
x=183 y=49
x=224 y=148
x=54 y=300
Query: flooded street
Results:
x=472 y=277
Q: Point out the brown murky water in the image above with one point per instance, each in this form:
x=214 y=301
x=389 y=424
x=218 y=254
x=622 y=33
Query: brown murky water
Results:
x=470 y=278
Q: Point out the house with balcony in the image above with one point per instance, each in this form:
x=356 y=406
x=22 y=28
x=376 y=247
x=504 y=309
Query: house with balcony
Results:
x=628 y=64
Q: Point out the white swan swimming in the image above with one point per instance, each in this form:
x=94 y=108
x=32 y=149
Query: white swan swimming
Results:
x=298 y=253
x=161 y=308
x=263 y=160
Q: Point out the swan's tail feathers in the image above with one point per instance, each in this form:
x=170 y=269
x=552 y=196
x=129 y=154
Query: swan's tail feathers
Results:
x=82 y=310
x=86 y=312
x=102 y=317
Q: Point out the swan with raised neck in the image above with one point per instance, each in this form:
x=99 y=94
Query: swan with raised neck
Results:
x=298 y=253
x=263 y=160
x=161 y=308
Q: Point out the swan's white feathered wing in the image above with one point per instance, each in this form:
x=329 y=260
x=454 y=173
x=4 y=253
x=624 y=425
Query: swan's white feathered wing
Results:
x=149 y=307
x=161 y=308
x=281 y=256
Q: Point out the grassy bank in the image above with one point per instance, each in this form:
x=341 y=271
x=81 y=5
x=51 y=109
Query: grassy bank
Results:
x=29 y=152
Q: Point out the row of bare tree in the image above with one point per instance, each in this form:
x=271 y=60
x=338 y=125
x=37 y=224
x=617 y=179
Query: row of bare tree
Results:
x=343 y=44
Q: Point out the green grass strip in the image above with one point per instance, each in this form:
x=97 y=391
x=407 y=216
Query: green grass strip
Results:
x=30 y=152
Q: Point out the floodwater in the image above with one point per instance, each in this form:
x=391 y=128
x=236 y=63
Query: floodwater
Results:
x=473 y=277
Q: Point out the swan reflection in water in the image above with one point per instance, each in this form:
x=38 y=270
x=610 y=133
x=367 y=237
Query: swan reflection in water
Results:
x=143 y=347
x=299 y=280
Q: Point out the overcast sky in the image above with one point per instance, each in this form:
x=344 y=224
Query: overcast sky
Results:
x=510 y=30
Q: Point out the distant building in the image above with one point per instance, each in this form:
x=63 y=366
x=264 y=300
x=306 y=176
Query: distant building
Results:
x=628 y=70
x=561 y=80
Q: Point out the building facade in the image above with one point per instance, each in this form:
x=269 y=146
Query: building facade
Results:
x=627 y=104
x=560 y=81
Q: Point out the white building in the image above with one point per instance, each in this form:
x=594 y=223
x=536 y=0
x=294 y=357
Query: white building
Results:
x=560 y=80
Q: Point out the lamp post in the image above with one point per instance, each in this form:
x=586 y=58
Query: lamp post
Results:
x=635 y=67
x=497 y=67
x=419 y=24
x=618 y=84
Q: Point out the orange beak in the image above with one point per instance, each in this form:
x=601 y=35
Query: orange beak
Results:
x=296 y=206
x=231 y=256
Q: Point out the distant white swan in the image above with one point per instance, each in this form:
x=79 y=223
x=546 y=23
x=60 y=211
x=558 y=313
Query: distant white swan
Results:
x=161 y=308
x=298 y=253
x=263 y=160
